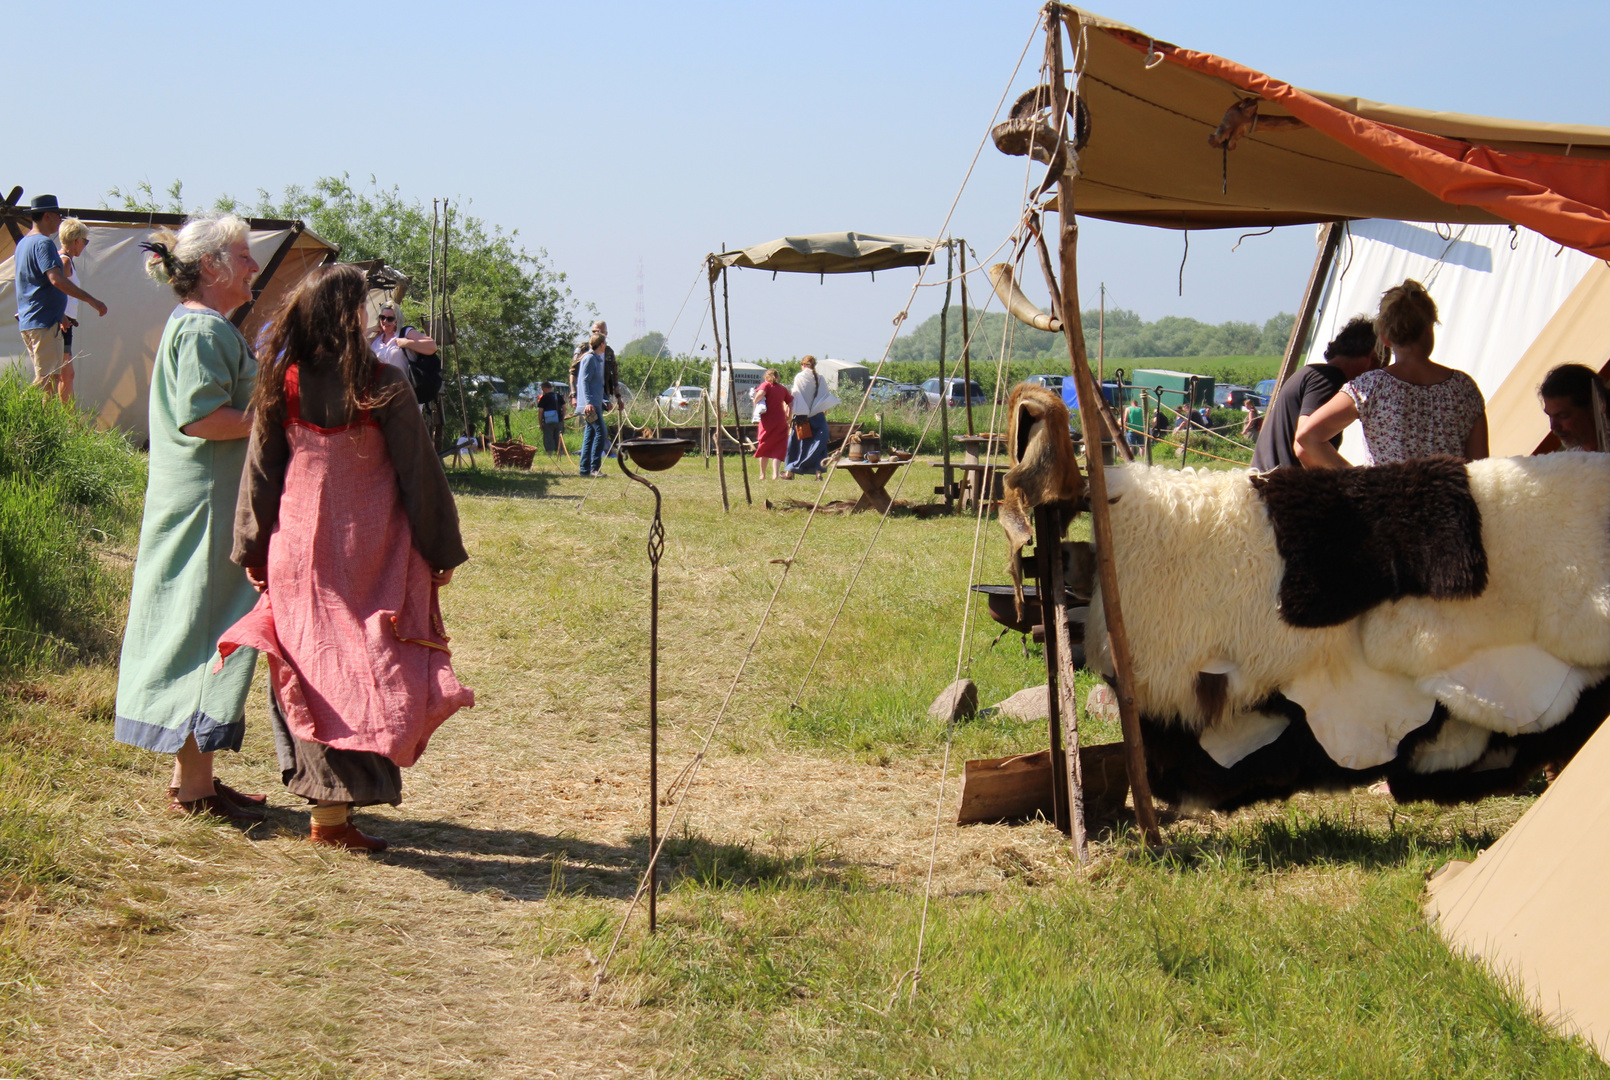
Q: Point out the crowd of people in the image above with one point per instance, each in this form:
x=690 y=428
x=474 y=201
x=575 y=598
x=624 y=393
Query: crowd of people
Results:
x=297 y=506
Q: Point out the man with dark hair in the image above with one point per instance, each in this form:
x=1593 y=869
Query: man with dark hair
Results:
x=42 y=292
x=1574 y=401
x=1350 y=355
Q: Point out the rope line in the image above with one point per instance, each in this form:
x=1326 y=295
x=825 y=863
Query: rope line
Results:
x=788 y=564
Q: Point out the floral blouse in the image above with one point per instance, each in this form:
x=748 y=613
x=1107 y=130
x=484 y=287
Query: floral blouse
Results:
x=1403 y=421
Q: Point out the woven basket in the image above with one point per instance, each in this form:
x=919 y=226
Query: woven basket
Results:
x=513 y=455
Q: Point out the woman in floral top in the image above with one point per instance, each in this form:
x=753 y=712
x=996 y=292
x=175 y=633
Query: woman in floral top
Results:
x=1412 y=408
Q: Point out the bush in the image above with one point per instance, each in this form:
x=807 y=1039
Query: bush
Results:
x=66 y=491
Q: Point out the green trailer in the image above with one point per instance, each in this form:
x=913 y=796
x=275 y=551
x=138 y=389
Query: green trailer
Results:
x=1175 y=388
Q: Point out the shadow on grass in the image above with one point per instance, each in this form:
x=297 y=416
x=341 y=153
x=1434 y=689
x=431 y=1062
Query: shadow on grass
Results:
x=529 y=866
x=1321 y=839
x=509 y=483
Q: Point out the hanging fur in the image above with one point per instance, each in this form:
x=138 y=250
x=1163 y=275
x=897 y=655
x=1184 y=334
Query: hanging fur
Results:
x=1044 y=471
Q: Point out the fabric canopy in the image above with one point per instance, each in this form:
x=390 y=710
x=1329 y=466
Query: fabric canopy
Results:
x=1147 y=159
x=830 y=253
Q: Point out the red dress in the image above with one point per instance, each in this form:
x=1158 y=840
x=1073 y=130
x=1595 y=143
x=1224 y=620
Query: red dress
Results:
x=350 y=622
x=772 y=440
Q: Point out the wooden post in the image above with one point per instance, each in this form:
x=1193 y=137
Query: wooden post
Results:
x=944 y=380
x=704 y=428
x=1310 y=305
x=447 y=316
x=1190 y=418
x=1146 y=420
x=721 y=460
x=1054 y=614
x=737 y=424
x=1048 y=549
x=967 y=350
x=1101 y=339
x=1100 y=510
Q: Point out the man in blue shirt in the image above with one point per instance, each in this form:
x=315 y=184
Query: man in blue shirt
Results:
x=42 y=292
x=590 y=406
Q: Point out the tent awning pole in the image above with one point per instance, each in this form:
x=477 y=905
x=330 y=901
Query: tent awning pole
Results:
x=737 y=423
x=1310 y=305
x=721 y=460
x=266 y=274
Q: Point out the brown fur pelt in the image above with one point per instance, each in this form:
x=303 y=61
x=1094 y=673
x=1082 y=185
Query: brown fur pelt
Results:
x=1242 y=119
x=1044 y=470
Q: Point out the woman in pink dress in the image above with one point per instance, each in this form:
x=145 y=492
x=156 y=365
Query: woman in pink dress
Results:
x=776 y=405
x=346 y=525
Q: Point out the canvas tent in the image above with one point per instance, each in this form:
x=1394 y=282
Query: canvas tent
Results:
x=831 y=253
x=114 y=354
x=1552 y=306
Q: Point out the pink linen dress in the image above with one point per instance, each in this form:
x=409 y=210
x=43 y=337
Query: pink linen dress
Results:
x=350 y=621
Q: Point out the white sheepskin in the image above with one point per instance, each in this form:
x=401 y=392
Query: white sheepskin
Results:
x=1199 y=577
x=1229 y=740
x=1458 y=744
x=1545 y=524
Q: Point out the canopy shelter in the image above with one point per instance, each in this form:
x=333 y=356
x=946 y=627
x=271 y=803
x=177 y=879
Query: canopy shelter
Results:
x=830 y=253
x=113 y=355
x=813 y=253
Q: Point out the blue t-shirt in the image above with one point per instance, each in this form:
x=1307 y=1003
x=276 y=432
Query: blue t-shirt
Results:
x=40 y=305
x=590 y=380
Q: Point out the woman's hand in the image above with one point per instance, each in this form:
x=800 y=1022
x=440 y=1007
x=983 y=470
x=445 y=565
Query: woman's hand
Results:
x=441 y=578
x=258 y=576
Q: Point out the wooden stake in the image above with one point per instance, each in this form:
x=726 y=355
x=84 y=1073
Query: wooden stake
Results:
x=1048 y=549
x=1310 y=304
x=737 y=424
x=721 y=460
x=1054 y=615
x=944 y=380
x=967 y=350
x=1100 y=511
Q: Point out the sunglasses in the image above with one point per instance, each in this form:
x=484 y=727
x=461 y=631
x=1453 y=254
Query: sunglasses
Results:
x=388 y=318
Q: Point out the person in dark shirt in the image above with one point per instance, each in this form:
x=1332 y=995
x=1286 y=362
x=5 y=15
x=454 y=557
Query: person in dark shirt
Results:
x=1350 y=355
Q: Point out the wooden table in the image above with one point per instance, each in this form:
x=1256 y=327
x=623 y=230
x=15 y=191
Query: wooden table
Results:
x=873 y=477
x=972 y=446
x=980 y=478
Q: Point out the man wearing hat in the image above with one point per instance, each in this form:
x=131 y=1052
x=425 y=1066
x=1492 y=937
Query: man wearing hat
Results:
x=42 y=292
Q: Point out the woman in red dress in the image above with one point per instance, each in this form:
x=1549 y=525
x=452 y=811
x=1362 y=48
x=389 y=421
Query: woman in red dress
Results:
x=775 y=405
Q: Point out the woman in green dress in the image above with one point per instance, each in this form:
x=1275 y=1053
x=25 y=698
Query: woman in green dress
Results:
x=186 y=591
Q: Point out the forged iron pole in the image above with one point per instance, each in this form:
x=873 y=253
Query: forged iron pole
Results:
x=1100 y=510
x=944 y=379
x=967 y=351
x=737 y=424
x=656 y=548
x=721 y=460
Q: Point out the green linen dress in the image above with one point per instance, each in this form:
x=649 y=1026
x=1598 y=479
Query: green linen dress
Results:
x=186 y=591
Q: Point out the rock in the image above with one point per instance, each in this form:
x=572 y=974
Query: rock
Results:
x=958 y=701
x=1102 y=703
x=1031 y=704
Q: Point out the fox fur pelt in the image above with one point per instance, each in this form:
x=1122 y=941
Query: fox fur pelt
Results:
x=1044 y=471
x=1486 y=626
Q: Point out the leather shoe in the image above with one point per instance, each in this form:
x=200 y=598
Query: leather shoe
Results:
x=240 y=797
x=346 y=836
x=216 y=806
x=247 y=807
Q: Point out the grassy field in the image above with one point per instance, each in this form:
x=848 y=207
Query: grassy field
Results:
x=1282 y=941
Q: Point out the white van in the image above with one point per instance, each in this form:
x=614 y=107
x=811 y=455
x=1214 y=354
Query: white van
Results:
x=741 y=379
x=847 y=380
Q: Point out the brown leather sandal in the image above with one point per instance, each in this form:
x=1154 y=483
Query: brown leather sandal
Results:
x=246 y=807
x=346 y=836
x=216 y=806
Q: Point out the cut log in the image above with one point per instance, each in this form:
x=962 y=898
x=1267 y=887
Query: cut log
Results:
x=1019 y=788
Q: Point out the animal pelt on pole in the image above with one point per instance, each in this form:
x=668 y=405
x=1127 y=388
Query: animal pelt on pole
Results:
x=1044 y=471
x=1454 y=639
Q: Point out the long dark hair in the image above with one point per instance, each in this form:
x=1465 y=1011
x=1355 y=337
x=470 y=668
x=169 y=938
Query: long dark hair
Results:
x=318 y=328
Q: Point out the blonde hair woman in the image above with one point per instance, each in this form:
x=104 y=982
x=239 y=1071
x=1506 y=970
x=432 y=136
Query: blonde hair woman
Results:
x=174 y=695
x=71 y=240
x=1412 y=408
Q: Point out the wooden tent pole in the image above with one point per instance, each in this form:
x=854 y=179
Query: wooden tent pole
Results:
x=737 y=424
x=944 y=379
x=1100 y=511
x=447 y=320
x=721 y=459
x=1310 y=305
x=967 y=352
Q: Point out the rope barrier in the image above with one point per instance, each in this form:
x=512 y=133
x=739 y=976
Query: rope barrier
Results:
x=788 y=564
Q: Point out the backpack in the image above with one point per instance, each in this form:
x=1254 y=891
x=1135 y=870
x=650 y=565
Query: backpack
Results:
x=425 y=372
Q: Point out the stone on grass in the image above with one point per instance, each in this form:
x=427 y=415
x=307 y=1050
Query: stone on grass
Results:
x=1030 y=704
x=958 y=701
x=1102 y=702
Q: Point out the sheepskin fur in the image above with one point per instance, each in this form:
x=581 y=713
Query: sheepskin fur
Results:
x=1546 y=531
x=1352 y=538
x=1232 y=738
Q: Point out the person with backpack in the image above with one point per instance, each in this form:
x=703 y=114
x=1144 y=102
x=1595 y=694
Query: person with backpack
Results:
x=409 y=351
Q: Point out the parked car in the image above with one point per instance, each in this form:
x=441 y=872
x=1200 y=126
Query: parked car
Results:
x=1230 y=396
x=1264 y=389
x=959 y=389
x=888 y=392
x=490 y=390
x=1052 y=383
x=679 y=402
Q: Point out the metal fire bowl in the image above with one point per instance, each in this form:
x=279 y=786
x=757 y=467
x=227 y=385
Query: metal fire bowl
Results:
x=655 y=455
x=1003 y=608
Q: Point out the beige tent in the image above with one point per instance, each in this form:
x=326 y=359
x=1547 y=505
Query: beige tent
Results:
x=830 y=253
x=1532 y=906
x=114 y=354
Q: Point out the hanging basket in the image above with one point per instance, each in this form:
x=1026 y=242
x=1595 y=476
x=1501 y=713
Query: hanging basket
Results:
x=513 y=455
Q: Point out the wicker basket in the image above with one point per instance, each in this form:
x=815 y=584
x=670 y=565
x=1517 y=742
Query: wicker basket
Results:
x=513 y=455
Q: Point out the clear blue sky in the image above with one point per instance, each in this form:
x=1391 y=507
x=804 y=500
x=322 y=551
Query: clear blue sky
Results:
x=606 y=133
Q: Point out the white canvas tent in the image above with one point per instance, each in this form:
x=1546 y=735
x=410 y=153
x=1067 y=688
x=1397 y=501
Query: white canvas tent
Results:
x=1532 y=907
x=1512 y=305
x=114 y=354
